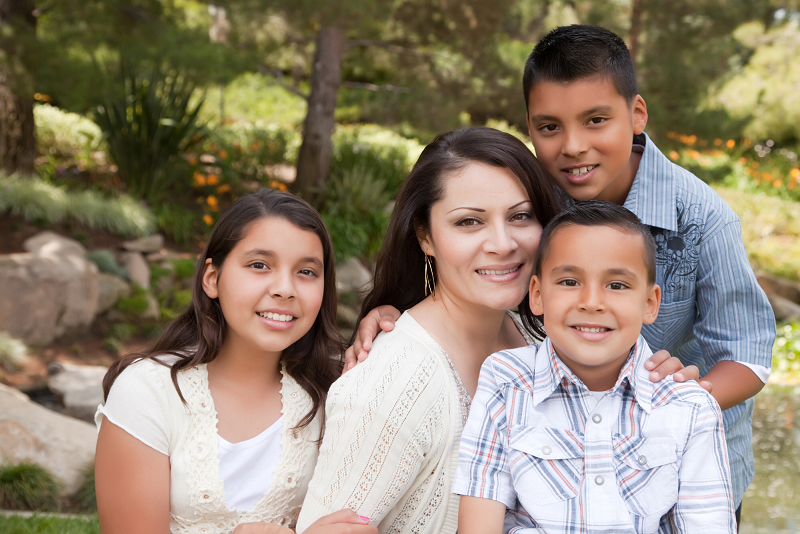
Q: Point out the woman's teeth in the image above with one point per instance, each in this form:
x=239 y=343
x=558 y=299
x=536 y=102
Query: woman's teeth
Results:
x=593 y=330
x=581 y=170
x=276 y=316
x=484 y=271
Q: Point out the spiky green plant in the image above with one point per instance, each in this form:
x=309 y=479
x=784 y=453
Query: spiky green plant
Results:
x=26 y=486
x=147 y=124
x=86 y=498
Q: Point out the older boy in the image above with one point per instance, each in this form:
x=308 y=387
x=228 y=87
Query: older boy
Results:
x=572 y=434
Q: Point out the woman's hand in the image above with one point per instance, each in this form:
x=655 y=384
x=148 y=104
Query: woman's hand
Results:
x=381 y=318
x=342 y=522
x=261 y=528
x=662 y=364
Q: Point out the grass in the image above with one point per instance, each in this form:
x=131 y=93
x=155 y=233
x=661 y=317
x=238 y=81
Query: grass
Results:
x=40 y=524
x=26 y=486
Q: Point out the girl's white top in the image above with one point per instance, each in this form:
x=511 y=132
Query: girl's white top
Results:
x=144 y=403
x=392 y=431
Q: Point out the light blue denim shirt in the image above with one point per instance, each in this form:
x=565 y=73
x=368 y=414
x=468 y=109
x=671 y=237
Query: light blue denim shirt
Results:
x=712 y=308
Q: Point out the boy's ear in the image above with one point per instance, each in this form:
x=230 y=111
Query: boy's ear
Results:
x=639 y=111
x=210 y=275
x=535 y=296
x=653 y=304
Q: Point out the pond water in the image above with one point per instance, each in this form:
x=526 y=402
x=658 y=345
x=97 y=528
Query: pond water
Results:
x=772 y=503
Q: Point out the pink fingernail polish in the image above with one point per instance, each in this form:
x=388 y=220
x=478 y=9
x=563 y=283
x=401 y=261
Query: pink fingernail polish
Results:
x=364 y=518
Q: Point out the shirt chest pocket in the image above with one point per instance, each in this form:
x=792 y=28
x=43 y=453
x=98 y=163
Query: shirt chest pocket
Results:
x=647 y=473
x=546 y=463
x=674 y=324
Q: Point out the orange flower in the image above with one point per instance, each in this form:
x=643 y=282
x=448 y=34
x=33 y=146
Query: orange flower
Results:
x=282 y=186
x=717 y=142
x=255 y=146
x=212 y=202
x=795 y=173
x=742 y=161
x=274 y=184
x=223 y=154
x=213 y=179
x=192 y=160
x=694 y=154
x=208 y=219
x=756 y=164
x=224 y=188
x=199 y=179
x=673 y=156
x=731 y=143
x=777 y=183
x=791 y=185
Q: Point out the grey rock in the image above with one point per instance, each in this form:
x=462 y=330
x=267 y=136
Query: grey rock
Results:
x=31 y=433
x=45 y=295
x=346 y=316
x=79 y=387
x=352 y=276
x=775 y=285
x=52 y=244
x=112 y=288
x=137 y=268
x=783 y=308
x=145 y=245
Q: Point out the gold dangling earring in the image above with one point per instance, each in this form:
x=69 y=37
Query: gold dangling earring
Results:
x=430 y=283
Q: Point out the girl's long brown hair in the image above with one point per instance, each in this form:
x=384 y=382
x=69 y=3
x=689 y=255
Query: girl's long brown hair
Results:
x=196 y=336
x=399 y=272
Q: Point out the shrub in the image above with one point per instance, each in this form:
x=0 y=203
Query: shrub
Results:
x=12 y=352
x=26 y=486
x=147 y=125
x=85 y=498
x=134 y=305
x=38 y=201
x=183 y=225
x=65 y=138
x=184 y=268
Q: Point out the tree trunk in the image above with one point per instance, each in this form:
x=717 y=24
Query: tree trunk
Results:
x=17 y=132
x=636 y=29
x=314 y=158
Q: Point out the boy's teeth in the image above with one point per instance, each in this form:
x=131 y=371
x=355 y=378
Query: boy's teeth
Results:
x=593 y=330
x=276 y=316
x=484 y=271
x=581 y=170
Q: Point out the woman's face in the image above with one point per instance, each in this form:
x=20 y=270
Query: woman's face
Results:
x=483 y=235
x=270 y=287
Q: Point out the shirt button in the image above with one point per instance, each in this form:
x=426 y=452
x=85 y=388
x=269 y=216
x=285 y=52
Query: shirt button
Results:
x=642 y=460
x=546 y=450
x=206 y=497
x=199 y=449
x=294 y=394
x=290 y=480
x=294 y=435
x=597 y=418
x=599 y=480
x=203 y=404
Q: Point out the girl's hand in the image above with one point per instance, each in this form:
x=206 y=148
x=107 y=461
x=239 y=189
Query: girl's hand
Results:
x=342 y=522
x=261 y=528
x=662 y=364
x=381 y=318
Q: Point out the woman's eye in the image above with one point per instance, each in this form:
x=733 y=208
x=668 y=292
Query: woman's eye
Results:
x=521 y=216
x=468 y=222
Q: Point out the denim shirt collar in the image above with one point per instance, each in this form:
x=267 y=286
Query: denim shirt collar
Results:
x=652 y=196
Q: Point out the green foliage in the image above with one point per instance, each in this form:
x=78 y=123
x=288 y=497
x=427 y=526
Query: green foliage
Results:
x=38 y=201
x=786 y=351
x=175 y=302
x=86 y=497
x=184 y=268
x=49 y=525
x=121 y=333
x=134 y=305
x=254 y=96
x=65 y=138
x=355 y=211
x=26 y=486
x=106 y=262
x=12 y=352
x=147 y=125
x=180 y=223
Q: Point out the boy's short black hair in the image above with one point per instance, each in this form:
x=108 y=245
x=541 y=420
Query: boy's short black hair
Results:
x=570 y=53
x=599 y=213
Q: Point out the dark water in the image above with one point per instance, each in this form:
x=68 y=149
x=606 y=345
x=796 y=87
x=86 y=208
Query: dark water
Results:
x=772 y=503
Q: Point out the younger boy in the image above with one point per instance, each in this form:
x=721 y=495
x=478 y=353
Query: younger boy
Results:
x=572 y=434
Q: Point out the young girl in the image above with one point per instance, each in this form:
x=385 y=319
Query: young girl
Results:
x=216 y=428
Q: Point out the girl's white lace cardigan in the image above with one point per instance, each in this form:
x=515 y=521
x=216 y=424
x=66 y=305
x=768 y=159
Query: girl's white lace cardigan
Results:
x=143 y=402
x=393 y=426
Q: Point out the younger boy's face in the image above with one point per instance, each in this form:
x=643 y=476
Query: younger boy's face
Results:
x=582 y=132
x=594 y=295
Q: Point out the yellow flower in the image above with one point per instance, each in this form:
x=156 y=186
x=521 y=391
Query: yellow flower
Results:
x=673 y=155
x=213 y=179
x=208 y=219
x=731 y=143
x=199 y=179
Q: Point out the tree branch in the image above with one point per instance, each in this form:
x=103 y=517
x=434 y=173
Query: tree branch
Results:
x=278 y=75
x=373 y=87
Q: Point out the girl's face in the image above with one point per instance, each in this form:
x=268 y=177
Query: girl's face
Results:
x=270 y=287
x=483 y=235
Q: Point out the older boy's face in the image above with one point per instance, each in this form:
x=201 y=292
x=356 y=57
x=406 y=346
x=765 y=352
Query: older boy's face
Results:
x=594 y=295
x=582 y=132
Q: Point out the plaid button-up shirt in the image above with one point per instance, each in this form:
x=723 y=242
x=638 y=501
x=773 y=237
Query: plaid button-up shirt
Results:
x=643 y=458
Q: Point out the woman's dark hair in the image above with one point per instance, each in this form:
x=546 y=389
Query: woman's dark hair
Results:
x=196 y=336
x=399 y=276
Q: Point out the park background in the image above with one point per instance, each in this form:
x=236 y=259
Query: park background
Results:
x=128 y=126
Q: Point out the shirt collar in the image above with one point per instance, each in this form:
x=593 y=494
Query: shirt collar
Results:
x=551 y=372
x=652 y=195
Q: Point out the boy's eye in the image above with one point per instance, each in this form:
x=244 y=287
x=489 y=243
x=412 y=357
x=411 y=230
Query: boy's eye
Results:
x=569 y=282
x=617 y=285
x=597 y=120
x=548 y=128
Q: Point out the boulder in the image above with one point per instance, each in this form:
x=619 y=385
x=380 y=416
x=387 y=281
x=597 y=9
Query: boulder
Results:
x=79 y=387
x=45 y=295
x=53 y=244
x=112 y=288
x=153 y=310
x=145 y=245
x=31 y=433
x=352 y=276
x=137 y=268
x=775 y=285
x=783 y=308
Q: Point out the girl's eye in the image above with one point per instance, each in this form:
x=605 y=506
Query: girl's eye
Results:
x=259 y=265
x=308 y=272
x=617 y=285
x=468 y=222
x=521 y=216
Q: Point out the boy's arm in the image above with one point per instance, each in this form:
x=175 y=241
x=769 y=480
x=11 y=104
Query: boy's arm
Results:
x=735 y=321
x=705 y=497
x=480 y=516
